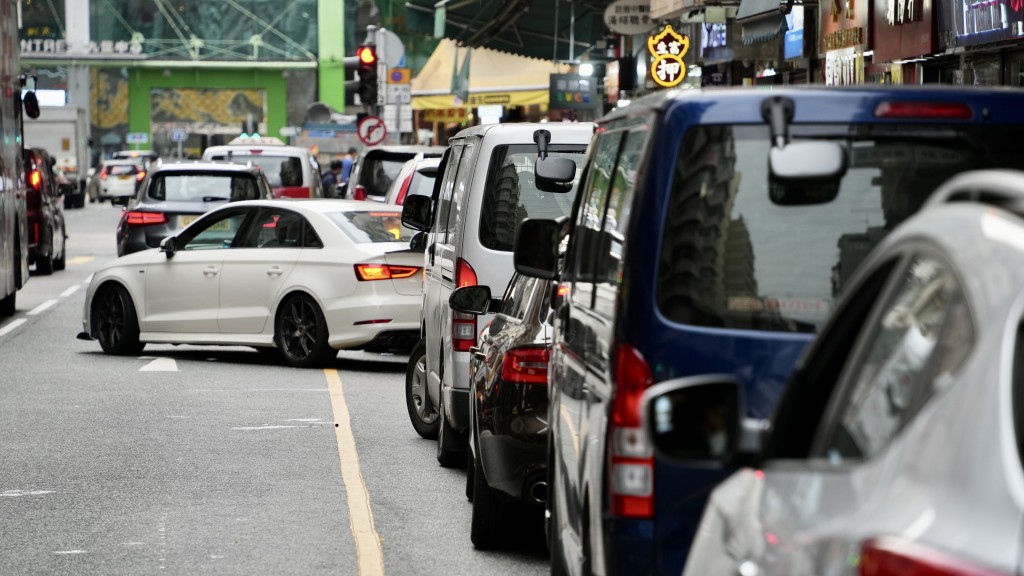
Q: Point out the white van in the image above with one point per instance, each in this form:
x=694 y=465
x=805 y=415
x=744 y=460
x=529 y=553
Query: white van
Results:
x=292 y=171
x=486 y=186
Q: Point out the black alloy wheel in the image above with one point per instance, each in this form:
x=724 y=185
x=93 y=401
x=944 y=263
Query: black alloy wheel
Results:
x=301 y=333
x=114 y=321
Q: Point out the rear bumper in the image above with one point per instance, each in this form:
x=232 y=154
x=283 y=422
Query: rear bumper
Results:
x=513 y=464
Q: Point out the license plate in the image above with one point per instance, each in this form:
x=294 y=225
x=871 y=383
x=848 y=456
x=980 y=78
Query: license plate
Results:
x=186 y=220
x=124 y=177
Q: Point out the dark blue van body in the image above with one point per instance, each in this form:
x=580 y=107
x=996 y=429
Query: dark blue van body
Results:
x=683 y=260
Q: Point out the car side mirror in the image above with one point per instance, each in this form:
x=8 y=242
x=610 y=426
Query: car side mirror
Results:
x=120 y=200
x=418 y=242
x=535 y=251
x=554 y=174
x=473 y=300
x=167 y=246
x=416 y=213
x=698 y=418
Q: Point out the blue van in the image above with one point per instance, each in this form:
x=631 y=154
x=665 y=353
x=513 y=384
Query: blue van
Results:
x=712 y=233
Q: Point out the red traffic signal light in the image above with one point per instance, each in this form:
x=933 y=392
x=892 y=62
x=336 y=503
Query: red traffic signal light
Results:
x=367 y=56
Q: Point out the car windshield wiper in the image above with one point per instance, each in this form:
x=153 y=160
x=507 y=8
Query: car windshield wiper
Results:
x=214 y=198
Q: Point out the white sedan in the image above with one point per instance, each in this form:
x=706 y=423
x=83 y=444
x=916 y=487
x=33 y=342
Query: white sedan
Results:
x=304 y=277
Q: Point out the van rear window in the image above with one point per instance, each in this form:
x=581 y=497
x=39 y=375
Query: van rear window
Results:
x=731 y=258
x=511 y=194
x=279 y=170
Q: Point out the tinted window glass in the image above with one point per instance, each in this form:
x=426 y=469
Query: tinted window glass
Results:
x=732 y=258
x=380 y=170
x=279 y=170
x=444 y=203
x=921 y=335
x=517 y=300
x=215 y=233
x=586 y=236
x=121 y=169
x=512 y=194
x=372 y=226
x=210 y=187
x=275 y=229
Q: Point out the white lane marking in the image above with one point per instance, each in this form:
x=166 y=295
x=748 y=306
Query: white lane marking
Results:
x=70 y=291
x=369 y=552
x=11 y=326
x=133 y=543
x=304 y=420
x=267 y=427
x=71 y=552
x=15 y=493
x=41 y=308
x=159 y=365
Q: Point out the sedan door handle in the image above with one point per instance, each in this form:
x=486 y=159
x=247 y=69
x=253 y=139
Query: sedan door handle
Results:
x=274 y=271
x=211 y=270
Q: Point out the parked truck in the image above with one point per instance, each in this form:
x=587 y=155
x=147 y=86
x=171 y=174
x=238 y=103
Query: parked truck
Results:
x=62 y=131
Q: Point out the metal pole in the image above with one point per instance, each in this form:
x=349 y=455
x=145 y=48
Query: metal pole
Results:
x=572 y=31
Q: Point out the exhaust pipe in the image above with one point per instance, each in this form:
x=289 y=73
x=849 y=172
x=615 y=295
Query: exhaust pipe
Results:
x=539 y=492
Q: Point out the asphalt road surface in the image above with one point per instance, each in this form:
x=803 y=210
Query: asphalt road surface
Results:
x=205 y=460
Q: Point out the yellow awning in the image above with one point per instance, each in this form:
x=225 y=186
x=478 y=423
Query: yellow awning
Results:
x=494 y=78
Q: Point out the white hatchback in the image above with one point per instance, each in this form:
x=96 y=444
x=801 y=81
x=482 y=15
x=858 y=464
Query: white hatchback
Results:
x=306 y=278
x=292 y=171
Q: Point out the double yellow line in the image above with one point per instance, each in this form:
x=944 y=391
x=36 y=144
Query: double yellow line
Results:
x=369 y=553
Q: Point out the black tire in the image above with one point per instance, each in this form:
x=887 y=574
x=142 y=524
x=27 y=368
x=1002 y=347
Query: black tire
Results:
x=60 y=262
x=424 y=417
x=490 y=514
x=114 y=321
x=300 y=332
x=44 y=264
x=448 y=457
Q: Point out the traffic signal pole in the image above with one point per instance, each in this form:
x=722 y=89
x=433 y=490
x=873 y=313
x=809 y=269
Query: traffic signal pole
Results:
x=364 y=64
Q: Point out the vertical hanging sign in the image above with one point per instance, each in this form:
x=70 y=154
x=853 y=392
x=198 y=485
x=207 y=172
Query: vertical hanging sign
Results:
x=668 y=48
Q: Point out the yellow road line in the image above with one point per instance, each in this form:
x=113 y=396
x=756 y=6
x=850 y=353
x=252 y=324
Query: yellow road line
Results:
x=80 y=260
x=369 y=553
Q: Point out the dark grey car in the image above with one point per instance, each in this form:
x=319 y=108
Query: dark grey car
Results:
x=175 y=194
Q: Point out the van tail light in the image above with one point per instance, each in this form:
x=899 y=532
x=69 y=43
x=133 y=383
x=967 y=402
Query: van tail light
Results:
x=526 y=365
x=892 y=556
x=405 y=189
x=138 y=218
x=463 y=325
x=359 y=192
x=631 y=459
x=924 y=110
x=368 y=272
x=35 y=180
x=139 y=176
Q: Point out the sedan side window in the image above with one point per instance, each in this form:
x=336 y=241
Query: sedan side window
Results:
x=920 y=336
x=214 y=233
x=275 y=228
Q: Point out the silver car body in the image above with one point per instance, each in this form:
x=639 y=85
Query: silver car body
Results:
x=949 y=481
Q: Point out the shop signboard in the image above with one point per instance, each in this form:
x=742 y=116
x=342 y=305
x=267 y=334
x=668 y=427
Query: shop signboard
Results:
x=446 y=115
x=667 y=49
x=970 y=22
x=903 y=29
x=844 y=24
x=628 y=17
x=793 y=41
x=844 y=67
x=573 y=91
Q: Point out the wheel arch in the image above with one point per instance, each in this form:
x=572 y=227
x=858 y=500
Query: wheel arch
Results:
x=103 y=285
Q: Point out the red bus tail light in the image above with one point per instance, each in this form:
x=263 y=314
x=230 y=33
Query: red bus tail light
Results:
x=528 y=365
x=630 y=457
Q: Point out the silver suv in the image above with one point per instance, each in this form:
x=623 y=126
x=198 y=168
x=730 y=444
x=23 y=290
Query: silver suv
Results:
x=486 y=186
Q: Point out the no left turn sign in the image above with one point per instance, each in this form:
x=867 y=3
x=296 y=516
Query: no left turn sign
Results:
x=371 y=130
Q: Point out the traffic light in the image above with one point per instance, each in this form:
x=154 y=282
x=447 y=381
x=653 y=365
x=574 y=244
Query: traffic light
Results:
x=364 y=63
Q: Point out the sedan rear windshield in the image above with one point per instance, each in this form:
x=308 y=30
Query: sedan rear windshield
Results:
x=733 y=258
x=369 y=226
x=512 y=194
x=121 y=169
x=281 y=171
x=203 y=187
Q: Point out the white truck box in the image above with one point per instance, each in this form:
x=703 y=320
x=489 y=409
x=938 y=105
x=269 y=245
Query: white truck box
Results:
x=62 y=131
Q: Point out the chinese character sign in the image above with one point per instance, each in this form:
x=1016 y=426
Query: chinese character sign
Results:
x=668 y=48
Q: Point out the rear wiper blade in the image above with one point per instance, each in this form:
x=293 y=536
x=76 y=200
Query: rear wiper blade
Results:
x=214 y=198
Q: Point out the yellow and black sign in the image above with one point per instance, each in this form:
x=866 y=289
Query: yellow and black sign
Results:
x=668 y=48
